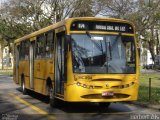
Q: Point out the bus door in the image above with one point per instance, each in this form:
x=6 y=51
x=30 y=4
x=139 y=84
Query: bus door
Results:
x=17 y=63
x=60 y=63
x=31 y=63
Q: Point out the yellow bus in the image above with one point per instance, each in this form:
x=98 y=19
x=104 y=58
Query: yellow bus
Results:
x=83 y=59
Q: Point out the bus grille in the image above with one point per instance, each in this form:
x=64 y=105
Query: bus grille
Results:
x=99 y=96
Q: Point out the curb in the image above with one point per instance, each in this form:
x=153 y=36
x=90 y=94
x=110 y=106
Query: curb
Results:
x=145 y=105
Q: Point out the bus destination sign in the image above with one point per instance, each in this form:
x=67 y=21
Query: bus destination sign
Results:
x=102 y=26
x=110 y=28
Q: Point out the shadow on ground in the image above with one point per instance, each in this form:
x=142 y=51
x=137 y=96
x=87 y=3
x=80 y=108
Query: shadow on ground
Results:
x=79 y=107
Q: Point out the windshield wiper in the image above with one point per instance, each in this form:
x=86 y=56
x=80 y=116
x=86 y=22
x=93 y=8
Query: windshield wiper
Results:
x=88 y=34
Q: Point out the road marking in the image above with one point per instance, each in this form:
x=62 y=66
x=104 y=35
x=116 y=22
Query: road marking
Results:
x=32 y=106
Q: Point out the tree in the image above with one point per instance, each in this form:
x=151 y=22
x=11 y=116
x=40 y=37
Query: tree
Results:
x=117 y=8
x=79 y=10
x=145 y=17
x=149 y=23
x=26 y=16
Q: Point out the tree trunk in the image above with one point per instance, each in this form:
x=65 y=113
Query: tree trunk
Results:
x=151 y=44
x=157 y=44
x=151 y=49
x=2 y=56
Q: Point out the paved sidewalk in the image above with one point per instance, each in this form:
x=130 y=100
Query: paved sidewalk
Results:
x=149 y=71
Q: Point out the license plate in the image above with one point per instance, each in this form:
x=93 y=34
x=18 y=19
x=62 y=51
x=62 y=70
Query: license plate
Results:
x=106 y=94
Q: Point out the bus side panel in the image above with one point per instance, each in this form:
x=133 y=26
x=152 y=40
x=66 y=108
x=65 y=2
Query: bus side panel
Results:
x=40 y=71
x=38 y=85
x=49 y=68
x=24 y=70
x=43 y=69
x=21 y=70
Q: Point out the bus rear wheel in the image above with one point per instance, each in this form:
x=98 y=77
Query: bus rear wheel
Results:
x=104 y=104
x=52 y=100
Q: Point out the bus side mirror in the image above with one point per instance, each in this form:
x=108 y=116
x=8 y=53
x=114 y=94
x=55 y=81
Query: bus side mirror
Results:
x=67 y=42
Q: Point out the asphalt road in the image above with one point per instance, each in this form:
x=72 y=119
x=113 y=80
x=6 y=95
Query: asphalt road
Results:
x=16 y=106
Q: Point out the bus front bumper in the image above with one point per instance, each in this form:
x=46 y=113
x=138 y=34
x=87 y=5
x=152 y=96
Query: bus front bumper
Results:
x=76 y=93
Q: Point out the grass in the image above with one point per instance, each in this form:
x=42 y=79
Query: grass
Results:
x=144 y=88
x=6 y=72
x=155 y=79
x=144 y=95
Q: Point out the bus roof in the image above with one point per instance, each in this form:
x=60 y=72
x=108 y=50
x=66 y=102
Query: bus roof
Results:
x=69 y=20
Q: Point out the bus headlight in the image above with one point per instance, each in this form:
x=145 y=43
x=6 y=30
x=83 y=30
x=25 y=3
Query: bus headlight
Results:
x=78 y=84
x=90 y=87
x=131 y=83
x=84 y=86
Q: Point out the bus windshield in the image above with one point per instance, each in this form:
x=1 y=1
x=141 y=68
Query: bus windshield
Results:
x=103 y=54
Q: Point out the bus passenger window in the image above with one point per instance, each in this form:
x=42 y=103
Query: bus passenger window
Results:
x=40 y=46
x=24 y=50
x=49 y=44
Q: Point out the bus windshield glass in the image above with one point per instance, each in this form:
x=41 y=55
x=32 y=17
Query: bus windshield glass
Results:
x=102 y=54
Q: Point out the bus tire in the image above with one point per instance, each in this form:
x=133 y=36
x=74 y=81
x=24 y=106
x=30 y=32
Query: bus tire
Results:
x=24 y=90
x=52 y=100
x=104 y=104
